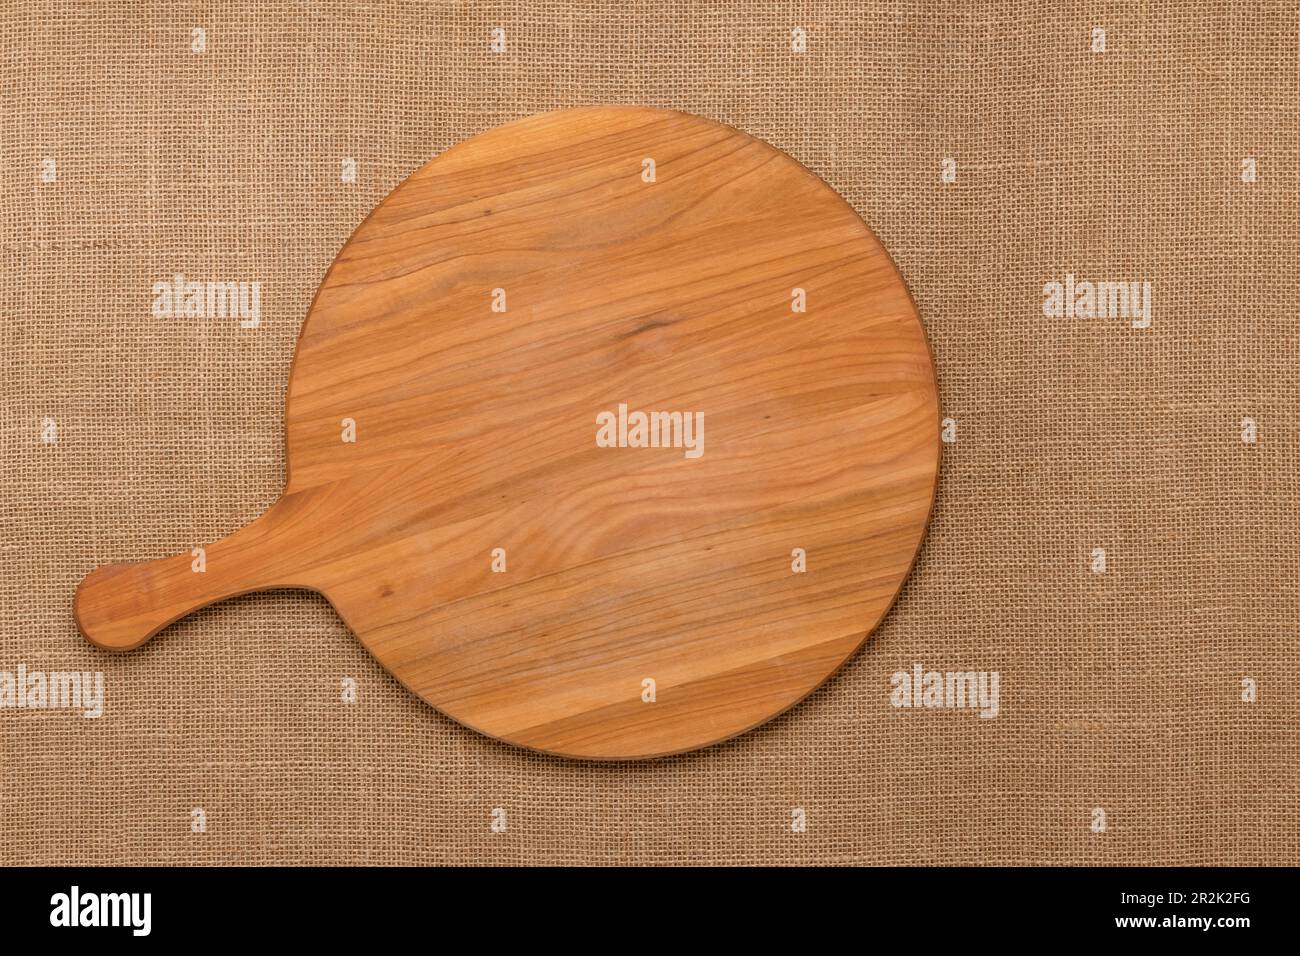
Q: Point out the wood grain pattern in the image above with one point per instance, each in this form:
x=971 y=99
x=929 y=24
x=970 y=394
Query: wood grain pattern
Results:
x=477 y=430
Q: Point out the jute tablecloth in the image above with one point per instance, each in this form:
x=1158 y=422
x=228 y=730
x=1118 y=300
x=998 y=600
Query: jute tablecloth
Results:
x=1147 y=712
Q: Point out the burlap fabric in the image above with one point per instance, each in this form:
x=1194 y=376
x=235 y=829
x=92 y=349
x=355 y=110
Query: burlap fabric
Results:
x=1121 y=691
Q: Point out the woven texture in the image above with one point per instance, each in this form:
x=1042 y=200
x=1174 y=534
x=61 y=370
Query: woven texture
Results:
x=125 y=436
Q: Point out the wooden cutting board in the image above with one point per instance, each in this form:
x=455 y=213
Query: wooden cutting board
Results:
x=611 y=432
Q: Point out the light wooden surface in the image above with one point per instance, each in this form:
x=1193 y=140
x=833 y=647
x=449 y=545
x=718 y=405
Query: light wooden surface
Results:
x=476 y=430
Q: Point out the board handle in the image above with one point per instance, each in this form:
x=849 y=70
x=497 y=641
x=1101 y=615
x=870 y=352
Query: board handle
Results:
x=118 y=607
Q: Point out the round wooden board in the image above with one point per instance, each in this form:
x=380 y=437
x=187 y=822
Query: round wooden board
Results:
x=505 y=533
